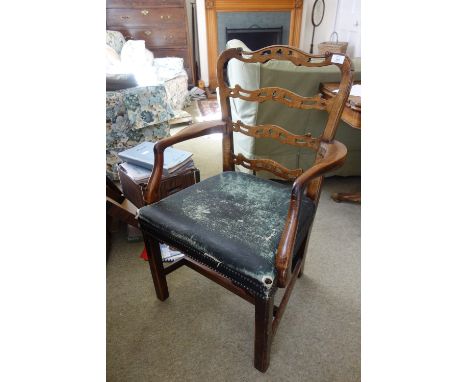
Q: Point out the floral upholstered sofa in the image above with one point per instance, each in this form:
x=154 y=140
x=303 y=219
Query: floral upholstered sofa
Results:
x=140 y=111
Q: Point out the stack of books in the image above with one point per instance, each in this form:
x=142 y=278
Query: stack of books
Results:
x=139 y=160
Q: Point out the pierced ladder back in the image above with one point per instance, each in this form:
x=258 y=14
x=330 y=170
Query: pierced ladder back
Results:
x=333 y=107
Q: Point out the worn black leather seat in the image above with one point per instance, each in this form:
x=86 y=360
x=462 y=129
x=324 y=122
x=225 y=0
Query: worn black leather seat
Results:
x=232 y=223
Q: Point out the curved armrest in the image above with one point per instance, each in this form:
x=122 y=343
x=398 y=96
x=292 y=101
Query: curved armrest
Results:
x=332 y=155
x=151 y=192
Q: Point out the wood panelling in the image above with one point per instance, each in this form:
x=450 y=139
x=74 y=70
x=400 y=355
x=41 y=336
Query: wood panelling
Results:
x=158 y=17
x=171 y=52
x=144 y=3
x=212 y=43
x=253 y=5
x=155 y=38
x=295 y=26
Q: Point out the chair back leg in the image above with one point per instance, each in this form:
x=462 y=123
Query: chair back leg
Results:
x=263 y=332
x=302 y=253
x=157 y=269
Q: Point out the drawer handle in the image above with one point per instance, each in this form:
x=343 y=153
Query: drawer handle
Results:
x=168 y=37
x=147 y=33
x=124 y=17
x=167 y=16
x=144 y=12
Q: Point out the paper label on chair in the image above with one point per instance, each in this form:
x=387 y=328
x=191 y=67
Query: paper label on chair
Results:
x=337 y=59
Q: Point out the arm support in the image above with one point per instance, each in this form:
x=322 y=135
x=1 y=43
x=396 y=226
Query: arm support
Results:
x=331 y=156
x=151 y=192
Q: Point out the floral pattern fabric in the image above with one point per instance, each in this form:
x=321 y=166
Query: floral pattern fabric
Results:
x=133 y=116
x=115 y=40
x=177 y=91
x=142 y=113
x=168 y=67
x=147 y=105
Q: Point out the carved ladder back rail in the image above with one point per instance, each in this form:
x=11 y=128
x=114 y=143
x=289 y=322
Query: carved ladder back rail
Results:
x=283 y=96
x=276 y=132
x=280 y=134
x=333 y=107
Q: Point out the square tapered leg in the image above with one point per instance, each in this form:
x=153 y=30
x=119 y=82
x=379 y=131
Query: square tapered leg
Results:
x=263 y=333
x=157 y=268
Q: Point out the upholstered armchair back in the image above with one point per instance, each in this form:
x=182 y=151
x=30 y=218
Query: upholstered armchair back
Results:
x=303 y=81
x=115 y=40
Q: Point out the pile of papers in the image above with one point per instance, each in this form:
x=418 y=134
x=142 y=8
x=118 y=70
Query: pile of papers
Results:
x=139 y=161
x=141 y=174
x=168 y=254
x=196 y=93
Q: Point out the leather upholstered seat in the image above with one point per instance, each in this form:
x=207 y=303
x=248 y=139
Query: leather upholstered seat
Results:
x=227 y=223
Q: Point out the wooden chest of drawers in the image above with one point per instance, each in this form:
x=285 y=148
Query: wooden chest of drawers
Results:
x=161 y=23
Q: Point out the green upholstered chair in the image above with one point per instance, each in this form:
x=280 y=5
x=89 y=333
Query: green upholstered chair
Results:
x=246 y=233
x=303 y=81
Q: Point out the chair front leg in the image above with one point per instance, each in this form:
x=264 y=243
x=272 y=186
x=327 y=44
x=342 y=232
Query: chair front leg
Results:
x=263 y=332
x=157 y=269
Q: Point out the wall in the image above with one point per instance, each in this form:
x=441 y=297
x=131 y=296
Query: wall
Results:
x=322 y=32
x=349 y=13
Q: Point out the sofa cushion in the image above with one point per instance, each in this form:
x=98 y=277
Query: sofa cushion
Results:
x=169 y=67
x=115 y=40
x=147 y=105
x=113 y=63
x=177 y=91
x=232 y=223
x=133 y=55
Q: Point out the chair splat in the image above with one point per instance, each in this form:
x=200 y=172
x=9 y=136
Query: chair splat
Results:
x=267 y=165
x=277 y=52
x=280 y=95
x=276 y=132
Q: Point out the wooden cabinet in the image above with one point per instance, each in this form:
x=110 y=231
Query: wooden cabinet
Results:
x=161 y=23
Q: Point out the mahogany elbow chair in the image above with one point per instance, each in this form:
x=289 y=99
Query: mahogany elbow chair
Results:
x=245 y=233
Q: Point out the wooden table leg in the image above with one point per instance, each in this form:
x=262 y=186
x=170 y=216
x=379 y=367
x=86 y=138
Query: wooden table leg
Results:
x=352 y=197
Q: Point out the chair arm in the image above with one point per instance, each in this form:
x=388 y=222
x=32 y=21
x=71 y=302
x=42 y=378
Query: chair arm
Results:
x=332 y=155
x=151 y=191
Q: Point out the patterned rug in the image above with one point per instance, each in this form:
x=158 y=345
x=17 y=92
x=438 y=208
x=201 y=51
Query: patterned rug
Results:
x=208 y=107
